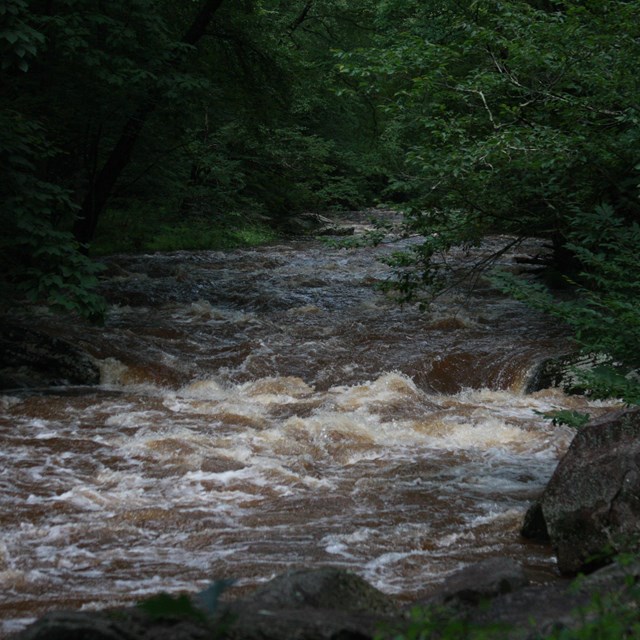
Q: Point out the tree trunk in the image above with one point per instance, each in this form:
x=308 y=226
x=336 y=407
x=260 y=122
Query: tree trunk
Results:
x=106 y=178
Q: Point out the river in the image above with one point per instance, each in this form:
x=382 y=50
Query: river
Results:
x=270 y=408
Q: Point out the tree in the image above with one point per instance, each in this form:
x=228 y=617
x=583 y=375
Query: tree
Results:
x=175 y=117
x=119 y=157
x=36 y=259
x=519 y=118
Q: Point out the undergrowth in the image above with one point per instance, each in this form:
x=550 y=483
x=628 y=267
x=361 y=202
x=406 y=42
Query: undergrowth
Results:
x=154 y=228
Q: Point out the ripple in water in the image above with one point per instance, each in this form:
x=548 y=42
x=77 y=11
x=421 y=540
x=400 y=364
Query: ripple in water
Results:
x=311 y=423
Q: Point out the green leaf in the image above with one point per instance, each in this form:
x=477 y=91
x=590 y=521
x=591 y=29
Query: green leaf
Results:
x=165 y=606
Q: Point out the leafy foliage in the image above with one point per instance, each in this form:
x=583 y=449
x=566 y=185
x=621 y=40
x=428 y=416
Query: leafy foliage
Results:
x=571 y=418
x=604 y=310
x=479 y=116
x=521 y=118
x=433 y=624
x=37 y=260
x=200 y=608
x=112 y=102
x=166 y=606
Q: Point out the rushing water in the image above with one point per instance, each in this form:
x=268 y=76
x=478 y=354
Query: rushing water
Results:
x=269 y=408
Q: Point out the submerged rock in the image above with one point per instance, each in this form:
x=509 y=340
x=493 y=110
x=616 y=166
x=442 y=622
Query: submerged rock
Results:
x=591 y=506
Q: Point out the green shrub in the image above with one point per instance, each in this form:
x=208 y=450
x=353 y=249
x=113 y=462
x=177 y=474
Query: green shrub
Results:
x=154 y=227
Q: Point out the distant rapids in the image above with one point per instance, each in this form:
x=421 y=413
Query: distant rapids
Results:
x=266 y=409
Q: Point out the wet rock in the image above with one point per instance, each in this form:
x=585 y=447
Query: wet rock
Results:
x=336 y=230
x=324 y=588
x=31 y=358
x=325 y=603
x=532 y=612
x=479 y=582
x=304 y=624
x=321 y=604
x=314 y=224
x=591 y=506
x=332 y=604
x=537 y=611
x=74 y=626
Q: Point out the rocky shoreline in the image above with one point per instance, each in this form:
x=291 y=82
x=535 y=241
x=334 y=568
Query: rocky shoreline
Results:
x=589 y=512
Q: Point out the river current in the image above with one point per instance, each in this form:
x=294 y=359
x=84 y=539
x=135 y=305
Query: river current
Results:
x=270 y=408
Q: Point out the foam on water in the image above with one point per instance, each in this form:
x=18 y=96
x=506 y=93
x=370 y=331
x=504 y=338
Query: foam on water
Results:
x=267 y=409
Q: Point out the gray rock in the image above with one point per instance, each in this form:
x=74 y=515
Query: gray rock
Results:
x=479 y=582
x=322 y=604
x=562 y=372
x=76 y=626
x=532 y=612
x=307 y=223
x=311 y=604
x=591 y=506
x=121 y=624
x=315 y=224
x=324 y=588
x=535 y=612
x=336 y=230
x=304 y=624
x=331 y=604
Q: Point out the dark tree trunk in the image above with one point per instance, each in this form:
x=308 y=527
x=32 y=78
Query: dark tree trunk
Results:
x=302 y=16
x=105 y=179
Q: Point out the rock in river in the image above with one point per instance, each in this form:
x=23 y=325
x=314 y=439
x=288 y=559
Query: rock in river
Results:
x=591 y=505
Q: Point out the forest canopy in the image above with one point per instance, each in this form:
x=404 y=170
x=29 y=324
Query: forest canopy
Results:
x=126 y=122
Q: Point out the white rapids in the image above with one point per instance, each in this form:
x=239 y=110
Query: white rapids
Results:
x=269 y=409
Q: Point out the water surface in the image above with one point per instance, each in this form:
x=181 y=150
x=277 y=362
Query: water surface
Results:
x=269 y=408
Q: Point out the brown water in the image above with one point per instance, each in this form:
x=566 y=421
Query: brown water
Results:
x=269 y=408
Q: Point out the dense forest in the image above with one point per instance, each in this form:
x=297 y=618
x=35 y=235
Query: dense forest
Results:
x=135 y=125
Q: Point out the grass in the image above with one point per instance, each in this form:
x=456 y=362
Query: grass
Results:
x=153 y=228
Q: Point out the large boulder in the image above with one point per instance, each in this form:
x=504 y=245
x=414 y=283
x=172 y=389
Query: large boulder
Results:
x=323 y=588
x=538 y=611
x=129 y=624
x=591 y=507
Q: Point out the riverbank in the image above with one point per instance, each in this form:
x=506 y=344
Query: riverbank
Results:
x=488 y=600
